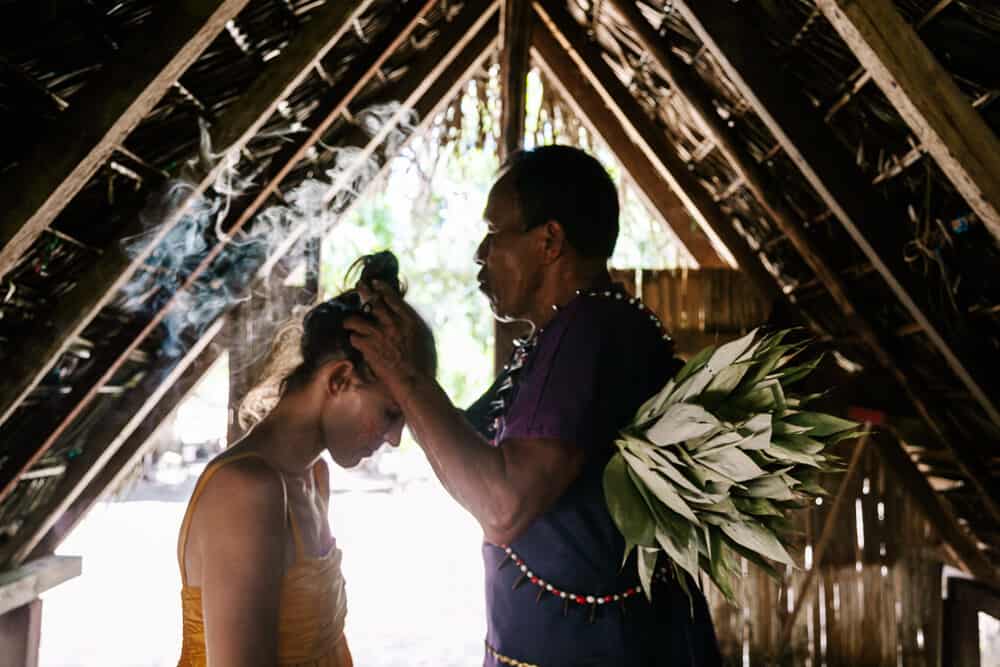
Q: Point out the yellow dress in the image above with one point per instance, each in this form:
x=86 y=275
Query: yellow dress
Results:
x=312 y=608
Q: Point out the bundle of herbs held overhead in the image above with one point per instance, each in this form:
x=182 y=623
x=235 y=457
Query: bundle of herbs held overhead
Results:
x=713 y=462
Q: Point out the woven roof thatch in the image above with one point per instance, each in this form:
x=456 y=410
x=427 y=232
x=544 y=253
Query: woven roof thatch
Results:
x=928 y=234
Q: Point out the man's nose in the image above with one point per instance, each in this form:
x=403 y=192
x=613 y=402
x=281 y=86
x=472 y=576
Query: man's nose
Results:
x=480 y=257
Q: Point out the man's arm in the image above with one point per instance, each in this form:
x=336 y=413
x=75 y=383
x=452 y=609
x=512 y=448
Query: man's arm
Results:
x=504 y=488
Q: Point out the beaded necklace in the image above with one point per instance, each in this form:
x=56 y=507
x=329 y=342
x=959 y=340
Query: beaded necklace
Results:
x=523 y=347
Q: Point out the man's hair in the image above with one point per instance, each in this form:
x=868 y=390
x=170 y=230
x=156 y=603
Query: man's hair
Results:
x=569 y=186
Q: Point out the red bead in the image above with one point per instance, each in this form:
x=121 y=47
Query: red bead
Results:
x=580 y=599
x=534 y=580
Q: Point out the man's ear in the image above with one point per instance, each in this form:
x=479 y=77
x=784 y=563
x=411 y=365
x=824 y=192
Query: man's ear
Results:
x=554 y=238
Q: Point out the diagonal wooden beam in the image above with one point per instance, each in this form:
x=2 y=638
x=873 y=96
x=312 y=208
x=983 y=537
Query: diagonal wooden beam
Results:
x=743 y=54
x=98 y=286
x=927 y=98
x=645 y=134
x=432 y=64
x=586 y=102
x=133 y=444
x=965 y=455
x=102 y=116
x=112 y=433
x=427 y=108
x=516 y=24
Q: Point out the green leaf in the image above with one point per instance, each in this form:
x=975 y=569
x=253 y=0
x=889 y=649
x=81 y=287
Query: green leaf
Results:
x=720 y=569
x=728 y=354
x=659 y=487
x=647 y=565
x=771 y=487
x=695 y=364
x=758 y=539
x=796 y=373
x=732 y=463
x=626 y=505
x=682 y=421
x=756 y=506
x=821 y=424
x=683 y=553
x=799 y=443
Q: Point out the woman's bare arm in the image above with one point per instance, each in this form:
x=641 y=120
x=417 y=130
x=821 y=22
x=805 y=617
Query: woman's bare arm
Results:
x=241 y=542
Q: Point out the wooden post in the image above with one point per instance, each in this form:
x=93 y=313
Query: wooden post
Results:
x=515 y=37
x=429 y=68
x=21 y=634
x=100 y=284
x=21 y=608
x=926 y=97
x=516 y=26
x=743 y=53
x=62 y=162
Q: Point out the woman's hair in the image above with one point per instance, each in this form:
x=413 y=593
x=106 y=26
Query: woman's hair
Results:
x=304 y=344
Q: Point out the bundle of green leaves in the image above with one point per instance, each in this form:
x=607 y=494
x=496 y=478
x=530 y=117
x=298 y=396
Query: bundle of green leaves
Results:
x=711 y=465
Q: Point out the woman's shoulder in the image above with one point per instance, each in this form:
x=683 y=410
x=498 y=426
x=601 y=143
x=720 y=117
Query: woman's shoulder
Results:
x=235 y=483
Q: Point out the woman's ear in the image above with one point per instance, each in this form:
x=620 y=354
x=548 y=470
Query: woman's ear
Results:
x=339 y=376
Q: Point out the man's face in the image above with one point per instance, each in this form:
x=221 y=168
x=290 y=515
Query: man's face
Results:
x=510 y=257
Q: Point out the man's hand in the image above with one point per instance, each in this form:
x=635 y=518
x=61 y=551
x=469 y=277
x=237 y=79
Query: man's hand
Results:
x=395 y=346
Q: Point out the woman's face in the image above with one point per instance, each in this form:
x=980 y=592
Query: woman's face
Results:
x=358 y=420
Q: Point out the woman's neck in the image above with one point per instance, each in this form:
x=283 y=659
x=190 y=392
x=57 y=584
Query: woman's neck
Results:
x=289 y=440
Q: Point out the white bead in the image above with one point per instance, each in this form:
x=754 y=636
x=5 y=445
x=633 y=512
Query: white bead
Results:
x=530 y=574
x=600 y=600
x=607 y=293
x=524 y=568
x=590 y=599
x=618 y=296
x=507 y=550
x=548 y=587
x=617 y=597
x=562 y=595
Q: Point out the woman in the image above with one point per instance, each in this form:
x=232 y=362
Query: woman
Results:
x=260 y=570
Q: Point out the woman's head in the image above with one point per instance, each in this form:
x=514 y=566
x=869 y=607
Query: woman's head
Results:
x=354 y=411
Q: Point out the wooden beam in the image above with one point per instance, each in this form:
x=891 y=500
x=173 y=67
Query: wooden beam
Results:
x=645 y=134
x=927 y=98
x=516 y=23
x=430 y=66
x=744 y=56
x=586 y=102
x=134 y=445
x=102 y=445
x=100 y=284
x=104 y=113
x=21 y=585
x=936 y=509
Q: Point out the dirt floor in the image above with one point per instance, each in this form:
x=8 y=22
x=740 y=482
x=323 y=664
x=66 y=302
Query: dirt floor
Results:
x=411 y=560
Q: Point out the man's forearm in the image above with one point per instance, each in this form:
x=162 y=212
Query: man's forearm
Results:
x=472 y=471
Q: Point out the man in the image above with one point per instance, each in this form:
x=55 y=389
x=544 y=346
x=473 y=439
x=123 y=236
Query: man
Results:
x=557 y=593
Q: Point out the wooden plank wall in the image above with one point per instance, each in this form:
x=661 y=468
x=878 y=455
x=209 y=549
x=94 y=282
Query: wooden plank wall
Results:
x=876 y=605
x=699 y=307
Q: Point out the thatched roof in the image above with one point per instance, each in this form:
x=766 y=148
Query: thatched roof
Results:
x=753 y=123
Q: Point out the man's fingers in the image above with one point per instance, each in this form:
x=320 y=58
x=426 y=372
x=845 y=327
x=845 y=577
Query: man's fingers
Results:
x=360 y=326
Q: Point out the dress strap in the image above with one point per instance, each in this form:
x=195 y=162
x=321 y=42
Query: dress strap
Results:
x=210 y=471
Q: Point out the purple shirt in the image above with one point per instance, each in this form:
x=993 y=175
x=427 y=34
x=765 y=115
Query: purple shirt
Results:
x=595 y=363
